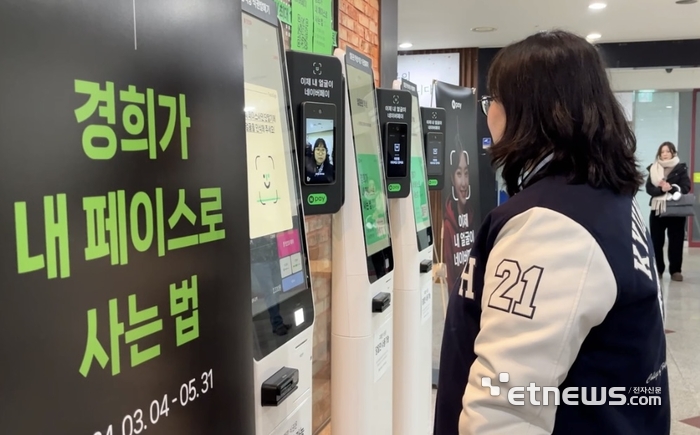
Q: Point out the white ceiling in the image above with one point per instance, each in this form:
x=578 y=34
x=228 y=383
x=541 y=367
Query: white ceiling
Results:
x=436 y=24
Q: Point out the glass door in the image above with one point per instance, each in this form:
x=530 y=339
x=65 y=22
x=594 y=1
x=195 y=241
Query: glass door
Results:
x=694 y=223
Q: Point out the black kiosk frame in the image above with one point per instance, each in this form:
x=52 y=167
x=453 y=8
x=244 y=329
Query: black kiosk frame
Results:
x=317 y=103
x=394 y=108
x=425 y=236
x=433 y=119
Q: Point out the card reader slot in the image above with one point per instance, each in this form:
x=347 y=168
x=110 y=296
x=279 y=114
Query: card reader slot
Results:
x=426 y=266
x=381 y=302
x=279 y=386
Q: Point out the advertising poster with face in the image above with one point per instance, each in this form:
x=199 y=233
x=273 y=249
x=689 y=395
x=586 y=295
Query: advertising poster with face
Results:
x=461 y=216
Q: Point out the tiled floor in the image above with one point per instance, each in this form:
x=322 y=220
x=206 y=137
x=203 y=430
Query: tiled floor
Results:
x=683 y=330
x=683 y=338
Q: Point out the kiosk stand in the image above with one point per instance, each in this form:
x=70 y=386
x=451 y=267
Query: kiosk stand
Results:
x=362 y=329
x=282 y=302
x=412 y=234
x=433 y=123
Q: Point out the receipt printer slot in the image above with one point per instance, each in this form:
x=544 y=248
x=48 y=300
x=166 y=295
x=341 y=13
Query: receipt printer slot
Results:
x=381 y=302
x=279 y=386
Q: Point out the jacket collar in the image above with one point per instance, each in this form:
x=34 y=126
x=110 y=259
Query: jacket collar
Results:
x=527 y=177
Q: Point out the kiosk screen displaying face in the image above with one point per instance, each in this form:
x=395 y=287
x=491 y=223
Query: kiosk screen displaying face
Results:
x=319 y=133
x=281 y=296
x=363 y=107
x=419 y=181
x=435 y=151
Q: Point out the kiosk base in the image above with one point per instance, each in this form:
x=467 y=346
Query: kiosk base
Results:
x=361 y=383
x=299 y=421
x=296 y=407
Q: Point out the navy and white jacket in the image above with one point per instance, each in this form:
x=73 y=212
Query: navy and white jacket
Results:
x=560 y=291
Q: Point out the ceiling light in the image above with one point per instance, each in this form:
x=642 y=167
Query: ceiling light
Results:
x=483 y=29
x=406 y=45
x=597 y=6
x=669 y=107
x=594 y=36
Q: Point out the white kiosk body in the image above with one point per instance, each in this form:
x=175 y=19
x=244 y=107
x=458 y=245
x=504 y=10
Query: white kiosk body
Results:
x=362 y=323
x=412 y=236
x=281 y=296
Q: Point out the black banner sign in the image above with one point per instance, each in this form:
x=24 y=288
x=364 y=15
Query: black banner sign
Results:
x=461 y=216
x=124 y=285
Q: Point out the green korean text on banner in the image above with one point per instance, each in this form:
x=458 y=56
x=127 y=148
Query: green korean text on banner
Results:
x=419 y=192
x=373 y=198
x=323 y=27
x=85 y=318
x=302 y=25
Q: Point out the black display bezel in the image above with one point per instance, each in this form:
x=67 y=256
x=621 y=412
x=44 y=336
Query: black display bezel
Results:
x=439 y=137
x=380 y=263
x=269 y=342
x=406 y=148
x=424 y=237
x=314 y=110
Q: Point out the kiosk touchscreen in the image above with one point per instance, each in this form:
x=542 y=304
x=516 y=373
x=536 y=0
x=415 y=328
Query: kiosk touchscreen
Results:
x=396 y=137
x=281 y=297
x=362 y=324
x=413 y=240
x=318 y=121
x=395 y=121
x=433 y=122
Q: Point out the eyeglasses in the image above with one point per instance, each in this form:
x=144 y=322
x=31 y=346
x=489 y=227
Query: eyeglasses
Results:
x=486 y=101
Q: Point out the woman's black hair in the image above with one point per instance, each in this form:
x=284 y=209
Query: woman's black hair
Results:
x=671 y=147
x=557 y=98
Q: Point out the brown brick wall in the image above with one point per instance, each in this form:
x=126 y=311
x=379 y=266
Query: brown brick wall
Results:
x=318 y=236
x=358 y=27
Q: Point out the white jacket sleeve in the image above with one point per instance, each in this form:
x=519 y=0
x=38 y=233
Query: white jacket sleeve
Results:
x=546 y=284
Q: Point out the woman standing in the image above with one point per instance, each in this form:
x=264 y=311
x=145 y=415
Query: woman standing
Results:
x=559 y=295
x=666 y=176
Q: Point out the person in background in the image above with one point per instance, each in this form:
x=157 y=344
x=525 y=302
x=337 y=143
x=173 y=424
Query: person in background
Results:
x=458 y=230
x=666 y=176
x=560 y=291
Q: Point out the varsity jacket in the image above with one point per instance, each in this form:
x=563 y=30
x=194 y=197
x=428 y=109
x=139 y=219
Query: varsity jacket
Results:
x=560 y=291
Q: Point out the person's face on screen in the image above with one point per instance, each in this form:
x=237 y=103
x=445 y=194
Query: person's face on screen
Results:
x=460 y=179
x=320 y=153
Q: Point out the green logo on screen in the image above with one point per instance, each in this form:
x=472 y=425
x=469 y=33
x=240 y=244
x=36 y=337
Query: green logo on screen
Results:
x=394 y=187
x=317 y=199
x=432 y=182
